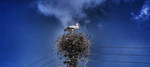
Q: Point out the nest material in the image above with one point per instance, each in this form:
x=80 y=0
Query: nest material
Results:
x=73 y=46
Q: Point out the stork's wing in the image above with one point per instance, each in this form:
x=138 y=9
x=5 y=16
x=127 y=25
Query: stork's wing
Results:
x=72 y=26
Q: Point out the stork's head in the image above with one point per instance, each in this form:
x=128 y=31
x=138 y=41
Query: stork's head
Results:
x=77 y=24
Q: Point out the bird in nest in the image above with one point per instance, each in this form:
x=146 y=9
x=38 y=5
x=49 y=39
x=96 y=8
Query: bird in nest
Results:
x=72 y=28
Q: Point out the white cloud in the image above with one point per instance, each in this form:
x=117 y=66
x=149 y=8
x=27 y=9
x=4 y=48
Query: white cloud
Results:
x=144 y=13
x=65 y=10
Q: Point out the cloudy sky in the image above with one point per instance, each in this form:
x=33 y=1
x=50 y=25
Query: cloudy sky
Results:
x=119 y=31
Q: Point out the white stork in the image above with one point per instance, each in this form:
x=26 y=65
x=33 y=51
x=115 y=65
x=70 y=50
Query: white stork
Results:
x=72 y=28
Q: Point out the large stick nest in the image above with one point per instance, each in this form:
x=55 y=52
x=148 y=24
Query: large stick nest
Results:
x=73 y=47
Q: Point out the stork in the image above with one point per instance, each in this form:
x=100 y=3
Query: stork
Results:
x=72 y=28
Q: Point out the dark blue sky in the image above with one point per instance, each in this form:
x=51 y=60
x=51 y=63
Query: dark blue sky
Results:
x=27 y=37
